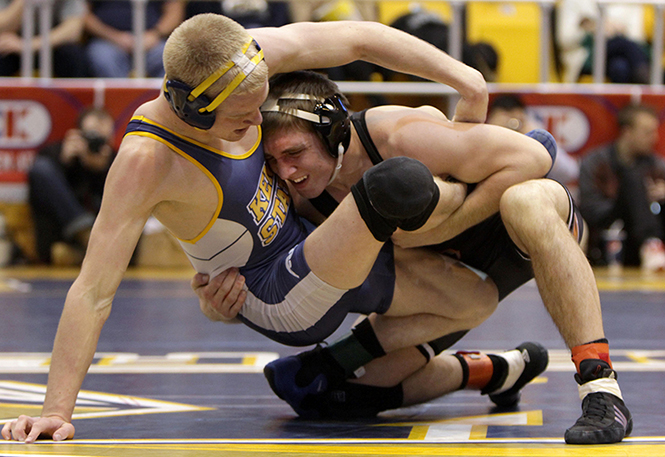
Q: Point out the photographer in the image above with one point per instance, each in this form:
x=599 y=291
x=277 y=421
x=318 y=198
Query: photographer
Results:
x=66 y=183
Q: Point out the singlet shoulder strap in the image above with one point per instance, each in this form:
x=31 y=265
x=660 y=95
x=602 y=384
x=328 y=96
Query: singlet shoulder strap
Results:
x=324 y=203
x=360 y=124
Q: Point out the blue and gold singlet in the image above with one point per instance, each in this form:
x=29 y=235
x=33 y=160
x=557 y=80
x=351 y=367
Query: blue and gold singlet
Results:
x=256 y=229
x=254 y=221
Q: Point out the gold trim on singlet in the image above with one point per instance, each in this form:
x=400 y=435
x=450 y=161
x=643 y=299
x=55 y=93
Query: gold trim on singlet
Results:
x=202 y=145
x=218 y=187
x=220 y=193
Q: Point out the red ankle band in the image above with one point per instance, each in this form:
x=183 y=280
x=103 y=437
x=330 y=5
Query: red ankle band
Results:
x=590 y=351
x=480 y=369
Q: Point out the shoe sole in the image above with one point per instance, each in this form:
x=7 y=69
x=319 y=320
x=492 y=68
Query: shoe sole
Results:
x=598 y=436
x=595 y=436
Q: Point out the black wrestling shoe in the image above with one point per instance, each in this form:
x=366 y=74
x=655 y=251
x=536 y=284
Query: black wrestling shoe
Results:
x=295 y=378
x=350 y=401
x=524 y=363
x=605 y=418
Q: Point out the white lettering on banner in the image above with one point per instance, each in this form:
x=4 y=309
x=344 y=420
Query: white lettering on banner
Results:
x=16 y=161
x=23 y=124
x=568 y=124
x=6 y=161
x=24 y=160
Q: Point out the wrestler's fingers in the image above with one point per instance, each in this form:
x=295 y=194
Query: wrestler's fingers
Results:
x=199 y=280
x=208 y=290
x=225 y=280
x=50 y=426
x=35 y=431
x=221 y=277
x=20 y=427
x=6 y=431
x=237 y=306
x=232 y=287
x=232 y=302
x=65 y=432
x=221 y=285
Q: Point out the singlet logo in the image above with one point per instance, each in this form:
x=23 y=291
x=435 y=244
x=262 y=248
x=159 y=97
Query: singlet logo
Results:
x=269 y=206
x=289 y=263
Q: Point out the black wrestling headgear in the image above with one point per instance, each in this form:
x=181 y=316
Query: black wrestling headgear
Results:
x=329 y=116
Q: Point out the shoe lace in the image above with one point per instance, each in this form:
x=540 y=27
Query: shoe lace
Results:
x=596 y=408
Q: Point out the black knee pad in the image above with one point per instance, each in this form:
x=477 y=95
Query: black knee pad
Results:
x=397 y=193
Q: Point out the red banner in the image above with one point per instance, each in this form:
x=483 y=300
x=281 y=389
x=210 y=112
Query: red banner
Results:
x=34 y=113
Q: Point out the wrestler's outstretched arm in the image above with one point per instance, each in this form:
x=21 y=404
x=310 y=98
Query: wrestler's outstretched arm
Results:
x=130 y=193
x=307 y=45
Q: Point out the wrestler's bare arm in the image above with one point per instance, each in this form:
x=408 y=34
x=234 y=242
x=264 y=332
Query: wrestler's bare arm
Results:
x=307 y=45
x=130 y=194
x=493 y=157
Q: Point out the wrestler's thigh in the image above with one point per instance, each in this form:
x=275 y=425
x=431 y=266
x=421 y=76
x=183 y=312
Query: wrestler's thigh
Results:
x=427 y=282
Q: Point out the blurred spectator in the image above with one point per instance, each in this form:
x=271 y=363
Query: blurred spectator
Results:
x=509 y=110
x=332 y=10
x=627 y=59
x=430 y=27
x=626 y=181
x=65 y=36
x=66 y=183
x=248 y=13
x=111 y=45
x=344 y=10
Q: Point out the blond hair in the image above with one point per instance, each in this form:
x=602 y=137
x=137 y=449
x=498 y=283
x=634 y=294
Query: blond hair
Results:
x=201 y=45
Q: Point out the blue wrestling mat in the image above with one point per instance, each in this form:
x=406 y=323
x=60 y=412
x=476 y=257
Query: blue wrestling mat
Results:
x=165 y=381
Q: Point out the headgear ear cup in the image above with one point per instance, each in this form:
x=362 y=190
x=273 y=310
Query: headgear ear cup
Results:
x=191 y=111
x=335 y=131
x=196 y=109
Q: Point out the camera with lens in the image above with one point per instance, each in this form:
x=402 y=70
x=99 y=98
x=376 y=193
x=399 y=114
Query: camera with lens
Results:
x=95 y=140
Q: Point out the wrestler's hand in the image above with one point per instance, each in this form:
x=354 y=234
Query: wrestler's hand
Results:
x=471 y=110
x=28 y=429
x=437 y=229
x=472 y=105
x=415 y=239
x=221 y=297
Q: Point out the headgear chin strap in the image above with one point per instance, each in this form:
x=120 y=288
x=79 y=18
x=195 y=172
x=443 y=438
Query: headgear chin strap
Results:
x=195 y=108
x=340 y=156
